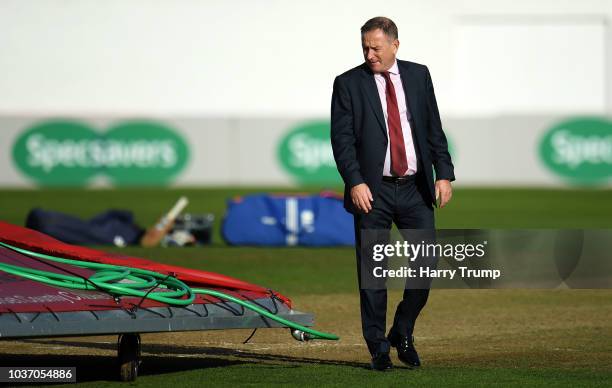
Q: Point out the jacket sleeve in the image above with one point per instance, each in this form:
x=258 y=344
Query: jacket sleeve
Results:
x=436 y=139
x=343 y=135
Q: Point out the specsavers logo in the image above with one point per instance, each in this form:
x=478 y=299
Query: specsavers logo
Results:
x=306 y=153
x=66 y=152
x=579 y=150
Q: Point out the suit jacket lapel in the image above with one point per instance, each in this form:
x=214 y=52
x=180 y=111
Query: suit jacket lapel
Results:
x=408 y=83
x=371 y=91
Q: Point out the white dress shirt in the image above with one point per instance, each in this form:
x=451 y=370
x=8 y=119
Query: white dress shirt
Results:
x=404 y=119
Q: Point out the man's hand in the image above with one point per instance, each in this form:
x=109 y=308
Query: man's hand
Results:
x=362 y=197
x=444 y=191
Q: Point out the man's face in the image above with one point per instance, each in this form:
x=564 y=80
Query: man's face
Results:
x=379 y=50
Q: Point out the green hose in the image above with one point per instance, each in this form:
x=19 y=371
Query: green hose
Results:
x=128 y=281
x=266 y=313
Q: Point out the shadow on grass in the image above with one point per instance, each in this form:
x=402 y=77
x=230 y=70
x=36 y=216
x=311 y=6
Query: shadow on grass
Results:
x=171 y=358
x=105 y=368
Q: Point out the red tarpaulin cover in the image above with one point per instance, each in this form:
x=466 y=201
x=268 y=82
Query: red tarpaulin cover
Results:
x=22 y=295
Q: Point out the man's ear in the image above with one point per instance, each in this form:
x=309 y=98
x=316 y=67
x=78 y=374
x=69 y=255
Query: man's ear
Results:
x=396 y=45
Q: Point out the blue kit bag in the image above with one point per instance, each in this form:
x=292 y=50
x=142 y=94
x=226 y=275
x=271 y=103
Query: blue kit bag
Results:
x=288 y=220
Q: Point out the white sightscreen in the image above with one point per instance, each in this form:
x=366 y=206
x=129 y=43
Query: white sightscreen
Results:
x=528 y=65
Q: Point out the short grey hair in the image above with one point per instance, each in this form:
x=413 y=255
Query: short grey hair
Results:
x=380 y=22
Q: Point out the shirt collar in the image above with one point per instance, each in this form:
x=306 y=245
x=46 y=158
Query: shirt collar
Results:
x=393 y=70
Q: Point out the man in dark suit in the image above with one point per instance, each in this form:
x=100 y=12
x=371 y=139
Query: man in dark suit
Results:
x=387 y=139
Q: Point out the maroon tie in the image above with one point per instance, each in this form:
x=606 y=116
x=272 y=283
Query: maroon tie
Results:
x=399 y=164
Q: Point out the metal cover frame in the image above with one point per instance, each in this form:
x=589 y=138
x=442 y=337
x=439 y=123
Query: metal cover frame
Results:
x=211 y=316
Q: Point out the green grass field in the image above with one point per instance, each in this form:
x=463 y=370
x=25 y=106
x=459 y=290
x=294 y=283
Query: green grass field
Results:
x=465 y=337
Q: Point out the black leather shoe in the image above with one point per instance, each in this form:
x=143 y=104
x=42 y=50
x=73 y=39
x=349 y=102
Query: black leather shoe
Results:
x=381 y=362
x=405 y=350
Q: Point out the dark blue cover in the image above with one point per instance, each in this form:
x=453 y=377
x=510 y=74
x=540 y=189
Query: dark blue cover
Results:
x=281 y=220
x=113 y=227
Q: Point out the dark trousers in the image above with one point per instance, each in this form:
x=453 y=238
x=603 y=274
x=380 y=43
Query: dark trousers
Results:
x=405 y=205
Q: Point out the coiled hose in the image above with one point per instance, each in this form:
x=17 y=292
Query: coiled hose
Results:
x=128 y=281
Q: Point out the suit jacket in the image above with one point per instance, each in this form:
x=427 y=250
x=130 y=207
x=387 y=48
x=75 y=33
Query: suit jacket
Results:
x=359 y=135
